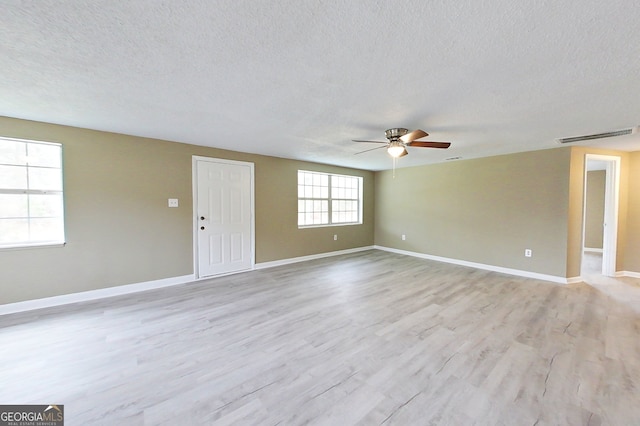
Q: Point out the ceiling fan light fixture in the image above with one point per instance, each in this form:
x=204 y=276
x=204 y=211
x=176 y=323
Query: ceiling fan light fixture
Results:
x=395 y=149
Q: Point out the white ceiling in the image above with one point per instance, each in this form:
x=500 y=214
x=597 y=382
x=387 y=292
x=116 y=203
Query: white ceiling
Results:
x=300 y=79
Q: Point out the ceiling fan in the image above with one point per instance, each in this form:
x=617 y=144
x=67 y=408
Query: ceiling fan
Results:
x=400 y=139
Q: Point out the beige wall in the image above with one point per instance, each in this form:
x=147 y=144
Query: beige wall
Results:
x=119 y=229
x=486 y=210
x=490 y=209
x=632 y=252
x=594 y=209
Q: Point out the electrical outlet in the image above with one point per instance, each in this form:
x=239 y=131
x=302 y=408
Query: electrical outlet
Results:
x=528 y=253
x=335 y=237
x=404 y=237
x=173 y=202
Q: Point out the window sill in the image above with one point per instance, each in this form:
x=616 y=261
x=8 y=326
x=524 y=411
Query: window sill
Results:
x=52 y=244
x=330 y=225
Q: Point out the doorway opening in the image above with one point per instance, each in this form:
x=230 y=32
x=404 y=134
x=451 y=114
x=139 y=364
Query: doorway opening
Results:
x=600 y=215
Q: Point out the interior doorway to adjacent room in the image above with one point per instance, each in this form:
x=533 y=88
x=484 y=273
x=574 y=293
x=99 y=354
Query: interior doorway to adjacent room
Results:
x=600 y=214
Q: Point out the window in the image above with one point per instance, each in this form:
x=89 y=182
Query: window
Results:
x=326 y=199
x=31 y=203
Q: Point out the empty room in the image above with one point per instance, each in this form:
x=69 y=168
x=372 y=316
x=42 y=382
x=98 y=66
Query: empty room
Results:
x=326 y=213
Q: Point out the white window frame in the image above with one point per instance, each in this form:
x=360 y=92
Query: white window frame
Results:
x=330 y=199
x=32 y=242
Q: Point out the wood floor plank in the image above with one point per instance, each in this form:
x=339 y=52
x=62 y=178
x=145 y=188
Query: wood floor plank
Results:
x=367 y=338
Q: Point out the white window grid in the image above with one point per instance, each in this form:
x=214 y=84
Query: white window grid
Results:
x=328 y=199
x=31 y=193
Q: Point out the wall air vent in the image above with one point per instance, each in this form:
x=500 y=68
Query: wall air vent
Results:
x=622 y=132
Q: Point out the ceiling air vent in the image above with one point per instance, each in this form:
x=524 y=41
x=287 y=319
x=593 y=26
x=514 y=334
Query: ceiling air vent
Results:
x=622 y=132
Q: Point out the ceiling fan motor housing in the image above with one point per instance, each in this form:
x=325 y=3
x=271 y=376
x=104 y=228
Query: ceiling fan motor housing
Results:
x=394 y=134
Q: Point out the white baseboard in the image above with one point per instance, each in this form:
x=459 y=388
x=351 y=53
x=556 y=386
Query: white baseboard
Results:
x=630 y=274
x=592 y=250
x=574 y=280
x=65 y=299
x=510 y=271
x=263 y=265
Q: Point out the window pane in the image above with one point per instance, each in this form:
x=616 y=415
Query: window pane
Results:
x=45 y=179
x=14 y=231
x=13 y=177
x=46 y=229
x=13 y=206
x=46 y=205
x=39 y=154
x=12 y=152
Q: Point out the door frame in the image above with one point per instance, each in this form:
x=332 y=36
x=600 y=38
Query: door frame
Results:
x=194 y=213
x=611 y=207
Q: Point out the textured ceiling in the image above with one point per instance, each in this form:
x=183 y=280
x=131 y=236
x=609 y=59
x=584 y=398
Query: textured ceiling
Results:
x=300 y=79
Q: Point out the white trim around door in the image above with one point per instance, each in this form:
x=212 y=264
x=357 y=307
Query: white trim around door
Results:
x=206 y=224
x=611 y=206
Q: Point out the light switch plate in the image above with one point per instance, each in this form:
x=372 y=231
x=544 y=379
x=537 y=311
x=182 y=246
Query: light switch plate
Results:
x=173 y=202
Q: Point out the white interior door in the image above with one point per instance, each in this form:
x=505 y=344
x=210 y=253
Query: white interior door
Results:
x=223 y=204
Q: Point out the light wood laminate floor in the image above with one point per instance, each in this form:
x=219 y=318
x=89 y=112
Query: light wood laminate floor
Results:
x=371 y=338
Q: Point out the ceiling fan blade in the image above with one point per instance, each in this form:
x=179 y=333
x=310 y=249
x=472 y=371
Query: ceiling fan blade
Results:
x=367 y=150
x=369 y=141
x=422 y=144
x=412 y=136
x=405 y=152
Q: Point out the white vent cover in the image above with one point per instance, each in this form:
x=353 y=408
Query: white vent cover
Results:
x=622 y=132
